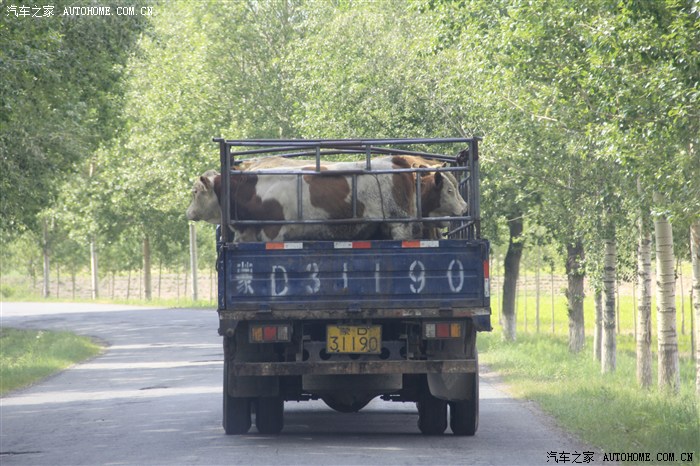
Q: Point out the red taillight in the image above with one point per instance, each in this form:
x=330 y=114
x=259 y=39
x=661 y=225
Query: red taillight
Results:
x=435 y=330
x=486 y=269
x=270 y=333
x=442 y=331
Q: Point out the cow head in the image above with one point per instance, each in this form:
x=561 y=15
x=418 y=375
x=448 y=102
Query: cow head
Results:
x=205 y=202
x=440 y=196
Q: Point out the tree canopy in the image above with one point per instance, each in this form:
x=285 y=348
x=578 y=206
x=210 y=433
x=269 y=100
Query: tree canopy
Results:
x=106 y=119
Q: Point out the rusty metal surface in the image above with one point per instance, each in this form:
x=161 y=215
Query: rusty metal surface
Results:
x=353 y=367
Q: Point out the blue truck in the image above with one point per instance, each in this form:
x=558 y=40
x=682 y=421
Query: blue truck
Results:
x=348 y=321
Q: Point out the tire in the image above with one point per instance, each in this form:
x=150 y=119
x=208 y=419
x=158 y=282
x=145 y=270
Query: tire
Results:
x=464 y=415
x=236 y=419
x=269 y=415
x=432 y=413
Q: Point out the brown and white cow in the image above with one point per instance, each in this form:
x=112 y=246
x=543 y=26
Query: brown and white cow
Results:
x=432 y=204
x=258 y=196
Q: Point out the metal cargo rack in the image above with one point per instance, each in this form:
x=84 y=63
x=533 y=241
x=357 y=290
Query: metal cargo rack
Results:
x=464 y=165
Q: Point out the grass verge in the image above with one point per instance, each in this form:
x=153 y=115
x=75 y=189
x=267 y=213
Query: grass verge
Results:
x=27 y=356
x=608 y=411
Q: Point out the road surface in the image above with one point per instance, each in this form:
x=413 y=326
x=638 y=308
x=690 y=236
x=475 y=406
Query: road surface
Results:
x=154 y=398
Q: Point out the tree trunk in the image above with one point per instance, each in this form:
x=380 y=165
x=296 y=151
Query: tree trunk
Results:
x=679 y=267
x=617 y=304
x=147 y=267
x=511 y=270
x=193 y=261
x=128 y=285
x=93 y=269
x=575 y=295
x=634 y=314
x=184 y=288
x=551 y=297
x=643 y=328
x=46 y=290
x=695 y=257
x=598 y=330
x=668 y=373
x=537 y=290
x=609 y=348
x=525 y=297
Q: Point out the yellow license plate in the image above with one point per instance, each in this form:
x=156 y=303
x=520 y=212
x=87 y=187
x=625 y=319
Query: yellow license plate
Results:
x=354 y=339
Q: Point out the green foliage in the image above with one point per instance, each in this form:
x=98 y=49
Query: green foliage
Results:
x=27 y=356
x=59 y=98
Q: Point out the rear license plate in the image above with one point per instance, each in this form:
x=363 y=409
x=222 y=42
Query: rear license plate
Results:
x=354 y=339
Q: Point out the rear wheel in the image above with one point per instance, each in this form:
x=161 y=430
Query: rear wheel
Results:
x=464 y=415
x=432 y=413
x=236 y=411
x=269 y=415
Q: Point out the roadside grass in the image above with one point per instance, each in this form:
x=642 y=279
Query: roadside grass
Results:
x=609 y=411
x=27 y=356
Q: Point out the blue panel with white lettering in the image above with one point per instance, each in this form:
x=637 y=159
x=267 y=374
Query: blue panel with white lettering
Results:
x=362 y=275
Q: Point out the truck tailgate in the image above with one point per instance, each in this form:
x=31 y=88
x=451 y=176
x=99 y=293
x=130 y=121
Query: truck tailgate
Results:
x=354 y=276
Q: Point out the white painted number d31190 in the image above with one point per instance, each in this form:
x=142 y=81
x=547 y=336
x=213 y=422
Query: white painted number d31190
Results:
x=455 y=287
x=279 y=274
x=418 y=277
x=315 y=285
x=312 y=283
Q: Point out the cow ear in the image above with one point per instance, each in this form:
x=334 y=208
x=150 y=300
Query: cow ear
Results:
x=422 y=165
x=438 y=179
x=205 y=181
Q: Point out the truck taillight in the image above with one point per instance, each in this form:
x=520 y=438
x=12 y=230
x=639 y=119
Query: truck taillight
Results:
x=269 y=333
x=441 y=330
x=487 y=284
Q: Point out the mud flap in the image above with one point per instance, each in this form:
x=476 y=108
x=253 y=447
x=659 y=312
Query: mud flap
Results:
x=450 y=387
x=247 y=386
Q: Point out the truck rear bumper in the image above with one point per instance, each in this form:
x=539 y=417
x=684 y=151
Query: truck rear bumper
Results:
x=352 y=367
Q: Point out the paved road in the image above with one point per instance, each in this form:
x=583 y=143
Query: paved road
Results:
x=154 y=397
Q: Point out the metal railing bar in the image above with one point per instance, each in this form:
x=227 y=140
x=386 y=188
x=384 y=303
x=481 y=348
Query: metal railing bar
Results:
x=344 y=151
x=275 y=171
x=341 y=221
x=341 y=142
